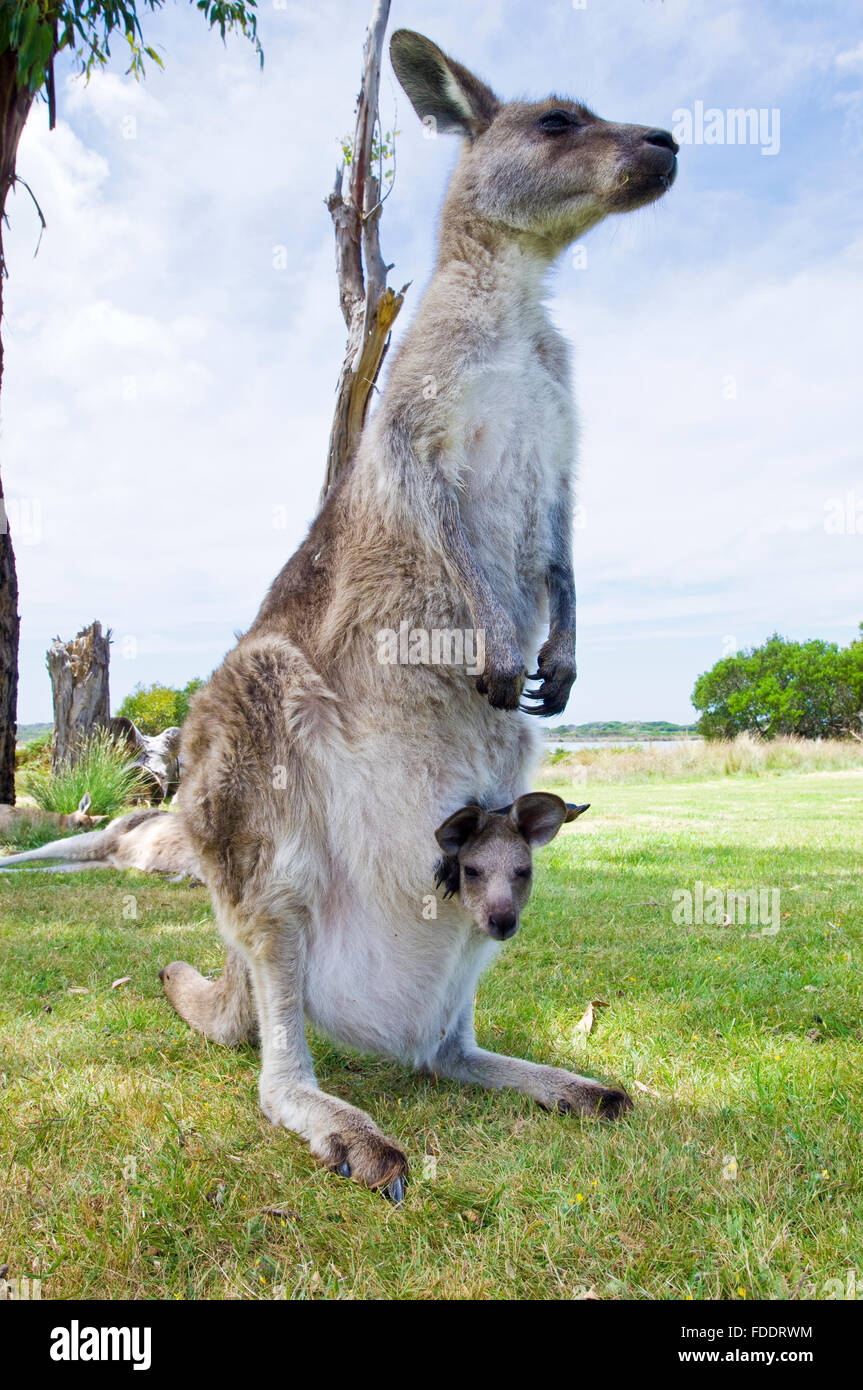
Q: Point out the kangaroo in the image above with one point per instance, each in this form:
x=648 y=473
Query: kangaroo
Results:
x=454 y=516
x=154 y=841
x=17 y=815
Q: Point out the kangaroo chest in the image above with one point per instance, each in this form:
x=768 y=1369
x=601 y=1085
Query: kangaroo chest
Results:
x=517 y=432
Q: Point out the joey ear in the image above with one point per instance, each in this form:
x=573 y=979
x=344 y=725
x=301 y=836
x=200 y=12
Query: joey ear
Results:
x=458 y=828
x=573 y=812
x=538 y=816
x=85 y=803
x=439 y=88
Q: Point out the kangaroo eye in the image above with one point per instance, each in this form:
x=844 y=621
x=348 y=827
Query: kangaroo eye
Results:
x=553 y=122
x=470 y=872
x=523 y=873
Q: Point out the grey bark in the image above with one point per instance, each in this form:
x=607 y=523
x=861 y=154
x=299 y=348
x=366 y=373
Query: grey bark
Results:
x=79 y=684
x=14 y=106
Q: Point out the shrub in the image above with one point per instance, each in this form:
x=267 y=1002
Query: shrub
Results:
x=103 y=769
x=156 y=707
x=813 y=689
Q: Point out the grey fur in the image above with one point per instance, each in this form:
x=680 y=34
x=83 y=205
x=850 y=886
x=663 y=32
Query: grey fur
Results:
x=314 y=775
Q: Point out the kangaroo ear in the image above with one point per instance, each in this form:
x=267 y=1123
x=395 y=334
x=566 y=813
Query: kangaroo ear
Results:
x=442 y=92
x=85 y=803
x=458 y=828
x=538 y=816
x=573 y=812
x=124 y=731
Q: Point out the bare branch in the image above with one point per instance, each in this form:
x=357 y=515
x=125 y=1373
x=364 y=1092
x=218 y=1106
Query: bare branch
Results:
x=368 y=307
x=16 y=178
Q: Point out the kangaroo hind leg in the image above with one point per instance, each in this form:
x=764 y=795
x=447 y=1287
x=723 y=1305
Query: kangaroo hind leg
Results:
x=343 y=1137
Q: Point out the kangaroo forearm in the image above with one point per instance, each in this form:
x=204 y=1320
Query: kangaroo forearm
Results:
x=503 y=672
x=556 y=660
x=560 y=579
x=561 y=599
x=488 y=613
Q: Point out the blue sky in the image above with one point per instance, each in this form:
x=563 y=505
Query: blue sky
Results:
x=168 y=388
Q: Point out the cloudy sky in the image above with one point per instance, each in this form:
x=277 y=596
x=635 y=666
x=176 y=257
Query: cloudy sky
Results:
x=170 y=370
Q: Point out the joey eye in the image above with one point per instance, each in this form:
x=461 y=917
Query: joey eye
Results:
x=470 y=872
x=554 y=122
x=523 y=873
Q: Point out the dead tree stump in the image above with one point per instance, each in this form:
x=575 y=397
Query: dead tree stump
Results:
x=79 y=684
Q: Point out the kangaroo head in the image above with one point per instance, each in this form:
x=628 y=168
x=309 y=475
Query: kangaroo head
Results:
x=545 y=170
x=488 y=856
x=81 y=818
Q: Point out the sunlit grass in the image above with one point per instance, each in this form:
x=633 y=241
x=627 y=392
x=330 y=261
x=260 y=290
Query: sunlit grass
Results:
x=136 y=1162
x=676 y=760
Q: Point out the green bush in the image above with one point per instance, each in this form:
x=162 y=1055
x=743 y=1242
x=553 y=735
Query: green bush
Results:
x=810 y=689
x=102 y=769
x=156 y=707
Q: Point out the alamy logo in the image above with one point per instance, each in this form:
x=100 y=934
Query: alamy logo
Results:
x=843 y=516
x=734 y=126
x=77 y=1343
x=714 y=907
x=417 y=646
x=23 y=517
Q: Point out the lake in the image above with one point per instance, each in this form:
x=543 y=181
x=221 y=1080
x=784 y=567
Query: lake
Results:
x=571 y=744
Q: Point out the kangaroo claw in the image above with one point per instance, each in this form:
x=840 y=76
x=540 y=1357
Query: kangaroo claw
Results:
x=395 y=1191
x=345 y=1169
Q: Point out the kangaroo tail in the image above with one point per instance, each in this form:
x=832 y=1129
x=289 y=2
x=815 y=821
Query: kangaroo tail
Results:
x=74 y=847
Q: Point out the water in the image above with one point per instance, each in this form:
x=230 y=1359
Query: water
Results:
x=570 y=745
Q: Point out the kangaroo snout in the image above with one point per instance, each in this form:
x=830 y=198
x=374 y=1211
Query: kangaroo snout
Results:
x=503 y=925
x=664 y=139
x=663 y=149
x=647 y=166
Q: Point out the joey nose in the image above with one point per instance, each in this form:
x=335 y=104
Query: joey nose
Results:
x=502 y=925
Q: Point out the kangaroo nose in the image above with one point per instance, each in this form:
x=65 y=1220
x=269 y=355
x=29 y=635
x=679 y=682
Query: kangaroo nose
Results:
x=502 y=925
x=663 y=138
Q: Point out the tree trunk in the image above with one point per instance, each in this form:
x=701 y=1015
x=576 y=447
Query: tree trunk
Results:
x=79 y=682
x=369 y=308
x=14 y=106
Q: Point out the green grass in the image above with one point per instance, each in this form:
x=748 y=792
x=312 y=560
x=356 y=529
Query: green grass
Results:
x=136 y=1163
x=695 y=761
x=102 y=768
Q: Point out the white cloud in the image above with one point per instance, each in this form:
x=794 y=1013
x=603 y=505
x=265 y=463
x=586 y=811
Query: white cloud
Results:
x=851 y=60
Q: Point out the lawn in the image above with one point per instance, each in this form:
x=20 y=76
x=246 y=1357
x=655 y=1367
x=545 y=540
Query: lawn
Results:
x=134 y=1161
